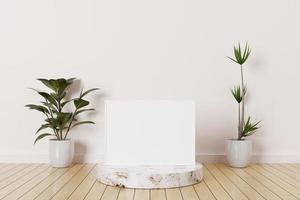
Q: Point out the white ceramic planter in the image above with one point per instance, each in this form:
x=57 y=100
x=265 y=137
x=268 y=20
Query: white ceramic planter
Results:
x=238 y=152
x=61 y=152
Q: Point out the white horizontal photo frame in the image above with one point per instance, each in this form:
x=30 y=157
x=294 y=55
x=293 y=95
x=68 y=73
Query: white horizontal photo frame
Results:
x=154 y=133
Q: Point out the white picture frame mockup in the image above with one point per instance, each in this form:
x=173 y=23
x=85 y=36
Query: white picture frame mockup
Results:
x=160 y=133
x=149 y=144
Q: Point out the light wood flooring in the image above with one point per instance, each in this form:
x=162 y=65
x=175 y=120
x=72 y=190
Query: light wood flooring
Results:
x=42 y=182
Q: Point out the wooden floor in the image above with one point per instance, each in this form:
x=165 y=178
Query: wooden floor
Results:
x=40 y=181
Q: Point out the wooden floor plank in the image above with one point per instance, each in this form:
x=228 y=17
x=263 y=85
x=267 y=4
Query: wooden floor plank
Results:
x=257 y=182
x=35 y=191
x=49 y=192
x=296 y=165
x=260 y=188
x=20 y=186
x=214 y=186
x=281 y=175
x=286 y=171
x=231 y=189
x=158 y=194
x=203 y=191
x=9 y=180
x=126 y=194
x=74 y=182
x=30 y=184
x=240 y=183
x=111 y=193
x=189 y=193
x=173 y=194
x=82 y=190
x=11 y=172
x=6 y=167
x=3 y=165
x=293 y=167
x=141 y=194
x=280 y=182
x=96 y=191
x=269 y=184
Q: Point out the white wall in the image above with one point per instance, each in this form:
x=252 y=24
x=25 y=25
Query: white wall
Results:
x=158 y=49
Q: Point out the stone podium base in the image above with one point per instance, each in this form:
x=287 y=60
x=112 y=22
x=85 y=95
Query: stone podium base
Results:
x=148 y=177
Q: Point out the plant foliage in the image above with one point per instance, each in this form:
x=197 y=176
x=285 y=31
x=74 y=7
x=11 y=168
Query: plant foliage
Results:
x=249 y=127
x=240 y=55
x=237 y=94
x=58 y=119
x=245 y=127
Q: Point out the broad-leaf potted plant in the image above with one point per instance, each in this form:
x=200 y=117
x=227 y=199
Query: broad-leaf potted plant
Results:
x=59 y=120
x=239 y=150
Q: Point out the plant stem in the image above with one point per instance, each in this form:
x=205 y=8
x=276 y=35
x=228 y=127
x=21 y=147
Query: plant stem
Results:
x=52 y=128
x=69 y=127
x=59 y=110
x=239 y=122
x=51 y=114
x=243 y=103
x=61 y=134
x=59 y=105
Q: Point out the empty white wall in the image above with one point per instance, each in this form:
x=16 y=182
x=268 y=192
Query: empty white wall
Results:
x=158 y=49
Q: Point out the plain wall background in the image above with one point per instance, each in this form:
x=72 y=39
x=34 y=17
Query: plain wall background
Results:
x=159 y=49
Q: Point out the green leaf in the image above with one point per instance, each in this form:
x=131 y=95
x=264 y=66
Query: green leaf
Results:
x=84 y=110
x=48 y=98
x=55 y=123
x=240 y=55
x=66 y=102
x=51 y=106
x=246 y=50
x=83 y=122
x=42 y=136
x=249 y=127
x=71 y=80
x=38 y=108
x=79 y=103
x=57 y=85
x=62 y=95
x=88 y=91
x=60 y=120
x=50 y=83
x=232 y=59
x=237 y=53
x=236 y=93
x=44 y=126
x=55 y=96
x=240 y=52
x=63 y=118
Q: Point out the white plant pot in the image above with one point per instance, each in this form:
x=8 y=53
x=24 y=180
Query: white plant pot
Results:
x=238 y=152
x=61 y=152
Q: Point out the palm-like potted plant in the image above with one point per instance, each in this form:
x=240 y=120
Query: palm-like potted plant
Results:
x=239 y=151
x=58 y=120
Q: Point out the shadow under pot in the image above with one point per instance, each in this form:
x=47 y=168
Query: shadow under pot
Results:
x=61 y=152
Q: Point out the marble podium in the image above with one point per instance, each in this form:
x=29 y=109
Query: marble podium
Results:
x=149 y=144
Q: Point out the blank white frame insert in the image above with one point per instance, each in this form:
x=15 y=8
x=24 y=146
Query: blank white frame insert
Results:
x=154 y=133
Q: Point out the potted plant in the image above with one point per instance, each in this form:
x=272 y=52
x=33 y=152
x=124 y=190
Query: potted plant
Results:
x=239 y=150
x=59 y=120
